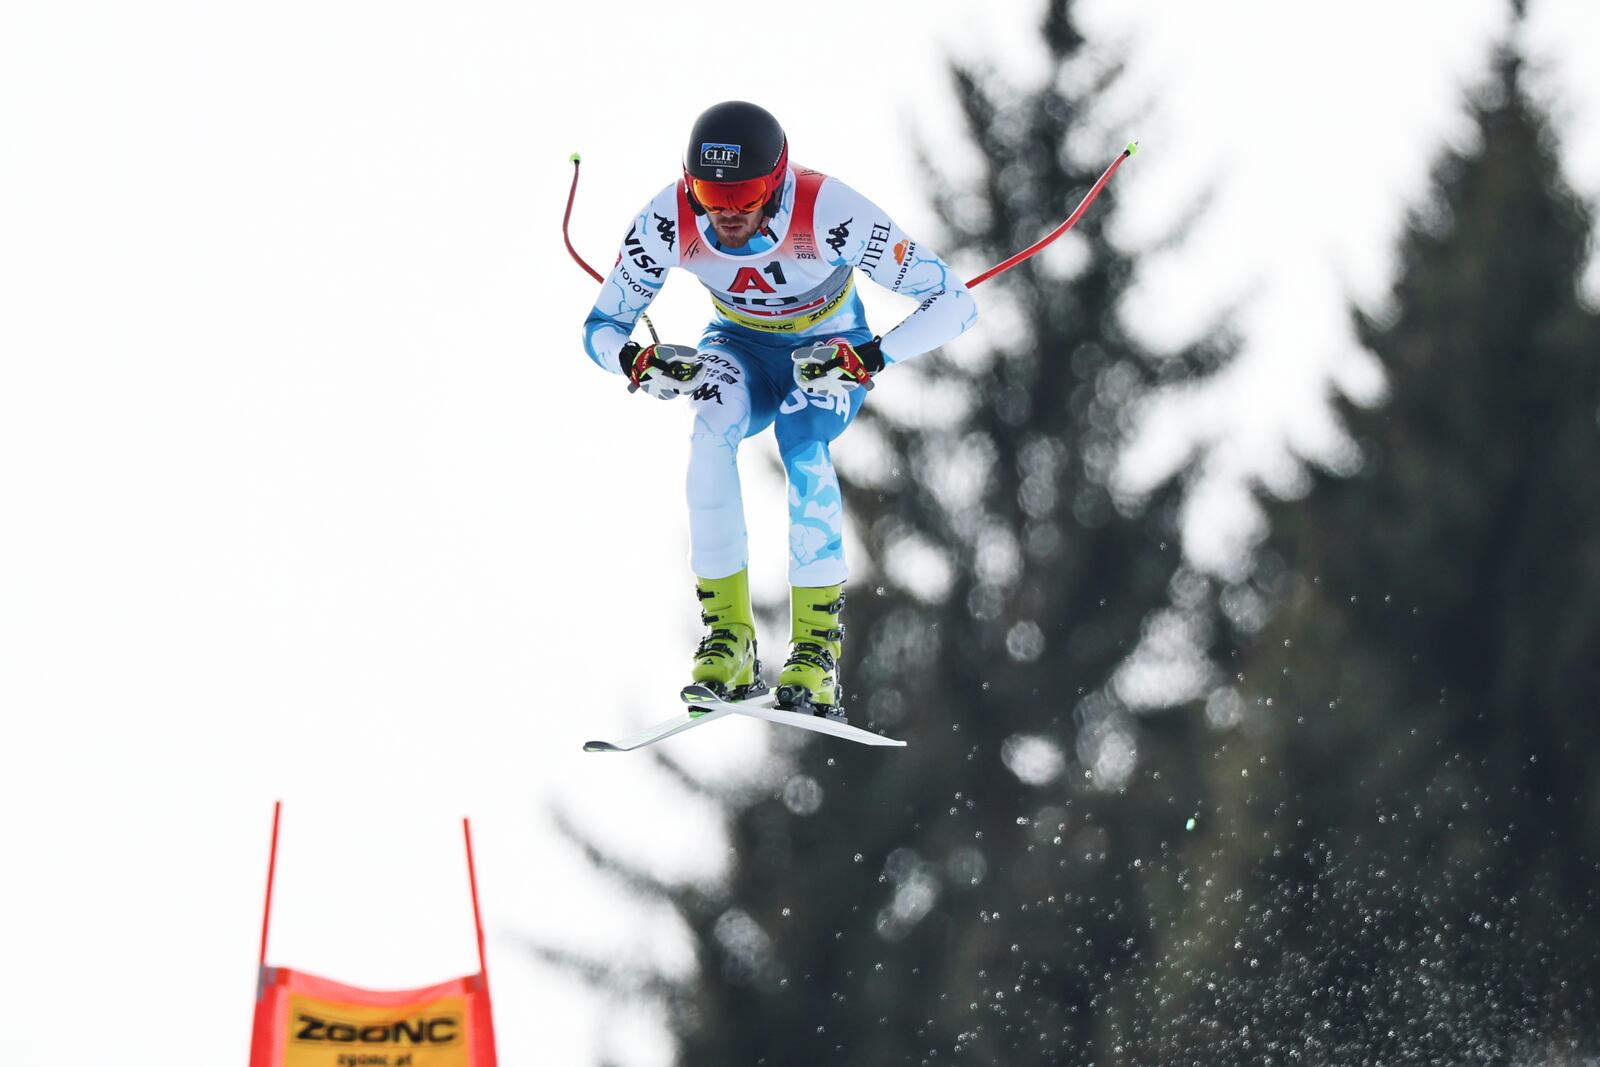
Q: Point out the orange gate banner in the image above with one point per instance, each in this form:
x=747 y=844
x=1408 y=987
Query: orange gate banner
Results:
x=305 y=1021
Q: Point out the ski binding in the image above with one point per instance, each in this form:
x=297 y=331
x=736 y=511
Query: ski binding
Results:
x=705 y=706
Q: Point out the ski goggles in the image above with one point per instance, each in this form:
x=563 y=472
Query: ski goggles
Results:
x=737 y=198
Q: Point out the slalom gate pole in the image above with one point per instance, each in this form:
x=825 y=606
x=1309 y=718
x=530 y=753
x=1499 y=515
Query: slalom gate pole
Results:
x=477 y=915
x=272 y=870
x=1072 y=220
x=572 y=194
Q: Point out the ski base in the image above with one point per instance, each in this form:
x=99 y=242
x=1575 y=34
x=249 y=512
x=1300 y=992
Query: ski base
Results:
x=705 y=706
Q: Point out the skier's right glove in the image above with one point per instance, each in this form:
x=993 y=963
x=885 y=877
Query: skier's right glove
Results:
x=835 y=367
x=663 y=371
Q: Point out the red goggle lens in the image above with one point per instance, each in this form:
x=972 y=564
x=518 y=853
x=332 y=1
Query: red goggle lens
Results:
x=737 y=197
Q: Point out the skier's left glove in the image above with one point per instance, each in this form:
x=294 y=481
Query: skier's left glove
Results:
x=836 y=366
x=663 y=371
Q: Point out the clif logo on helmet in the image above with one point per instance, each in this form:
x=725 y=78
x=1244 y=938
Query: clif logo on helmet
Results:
x=720 y=155
x=736 y=161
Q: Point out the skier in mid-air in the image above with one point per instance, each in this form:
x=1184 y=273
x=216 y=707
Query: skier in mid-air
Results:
x=778 y=246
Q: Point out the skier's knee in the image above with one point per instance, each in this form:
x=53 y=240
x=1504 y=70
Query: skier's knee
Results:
x=807 y=451
x=718 y=430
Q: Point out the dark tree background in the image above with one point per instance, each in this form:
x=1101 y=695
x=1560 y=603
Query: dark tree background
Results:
x=1392 y=783
x=1401 y=861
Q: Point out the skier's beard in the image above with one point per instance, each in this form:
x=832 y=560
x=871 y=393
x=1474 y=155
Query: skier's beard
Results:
x=735 y=231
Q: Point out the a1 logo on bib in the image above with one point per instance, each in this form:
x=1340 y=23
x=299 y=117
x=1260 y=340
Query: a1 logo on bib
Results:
x=720 y=155
x=749 y=278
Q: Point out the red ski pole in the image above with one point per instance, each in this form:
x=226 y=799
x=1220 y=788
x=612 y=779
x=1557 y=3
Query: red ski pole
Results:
x=1072 y=220
x=572 y=195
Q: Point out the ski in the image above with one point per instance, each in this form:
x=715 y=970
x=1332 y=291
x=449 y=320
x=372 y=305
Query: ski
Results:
x=761 y=707
x=659 y=732
x=705 y=706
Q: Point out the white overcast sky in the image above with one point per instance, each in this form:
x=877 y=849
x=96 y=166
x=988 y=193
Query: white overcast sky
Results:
x=307 y=491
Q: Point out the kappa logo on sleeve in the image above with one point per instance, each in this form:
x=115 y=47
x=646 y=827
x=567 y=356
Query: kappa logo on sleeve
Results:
x=713 y=154
x=667 y=230
x=839 y=234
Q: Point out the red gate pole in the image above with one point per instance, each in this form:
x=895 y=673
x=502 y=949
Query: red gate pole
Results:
x=272 y=870
x=477 y=916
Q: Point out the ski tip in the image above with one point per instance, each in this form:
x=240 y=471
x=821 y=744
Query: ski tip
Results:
x=600 y=746
x=576 y=158
x=1132 y=149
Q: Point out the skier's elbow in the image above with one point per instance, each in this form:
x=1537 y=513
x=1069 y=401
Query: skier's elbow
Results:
x=960 y=306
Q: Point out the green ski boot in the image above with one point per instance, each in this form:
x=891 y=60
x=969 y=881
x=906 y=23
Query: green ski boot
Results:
x=726 y=660
x=810 y=678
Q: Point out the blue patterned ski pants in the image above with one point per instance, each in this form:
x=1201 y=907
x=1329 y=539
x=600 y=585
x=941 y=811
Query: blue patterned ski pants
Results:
x=750 y=386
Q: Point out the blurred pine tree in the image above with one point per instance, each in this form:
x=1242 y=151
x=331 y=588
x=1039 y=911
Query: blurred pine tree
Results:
x=1400 y=864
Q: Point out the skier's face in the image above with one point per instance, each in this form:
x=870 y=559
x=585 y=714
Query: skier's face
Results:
x=734 y=229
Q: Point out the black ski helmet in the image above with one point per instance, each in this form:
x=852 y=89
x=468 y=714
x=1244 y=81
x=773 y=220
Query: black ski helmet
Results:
x=737 y=156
